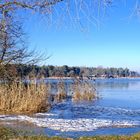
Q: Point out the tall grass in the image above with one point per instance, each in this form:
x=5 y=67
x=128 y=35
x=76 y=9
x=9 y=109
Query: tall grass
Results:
x=81 y=91
x=35 y=96
x=24 y=98
x=84 y=90
x=61 y=92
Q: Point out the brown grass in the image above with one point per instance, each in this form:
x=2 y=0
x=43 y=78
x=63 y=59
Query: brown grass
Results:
x=61 y=93
x=84 y=91
x=21 y=98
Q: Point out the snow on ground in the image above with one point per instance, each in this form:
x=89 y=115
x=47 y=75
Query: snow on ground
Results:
x=65 y=125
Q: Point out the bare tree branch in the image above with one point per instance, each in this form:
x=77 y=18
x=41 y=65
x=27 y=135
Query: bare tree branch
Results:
x=30 y=5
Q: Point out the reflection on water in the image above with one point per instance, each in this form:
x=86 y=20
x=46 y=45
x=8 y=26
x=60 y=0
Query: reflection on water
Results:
x=118 y=83
x=123 y=93
x=116 y=112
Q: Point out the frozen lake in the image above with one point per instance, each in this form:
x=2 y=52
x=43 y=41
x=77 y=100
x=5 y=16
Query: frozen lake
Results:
x=117 y=111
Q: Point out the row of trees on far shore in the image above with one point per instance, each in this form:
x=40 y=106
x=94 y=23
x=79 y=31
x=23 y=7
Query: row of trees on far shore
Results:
x=66 y=71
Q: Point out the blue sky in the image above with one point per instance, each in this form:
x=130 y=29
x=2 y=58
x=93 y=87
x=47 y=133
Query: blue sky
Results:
x=114 y=43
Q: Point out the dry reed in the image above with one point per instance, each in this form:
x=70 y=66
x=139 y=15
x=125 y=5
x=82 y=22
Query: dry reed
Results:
x=34 y=97
x=84 y=91
x=24 y=98
x=61 y=92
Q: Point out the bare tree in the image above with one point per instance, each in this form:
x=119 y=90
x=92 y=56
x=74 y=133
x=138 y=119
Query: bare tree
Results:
x=81 y=12
x=75 y=12
x=13 y=48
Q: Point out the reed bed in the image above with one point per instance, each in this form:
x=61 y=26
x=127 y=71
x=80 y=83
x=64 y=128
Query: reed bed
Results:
x=36 y=95
x=84 y=91
x=61 y=92
x=19 y=97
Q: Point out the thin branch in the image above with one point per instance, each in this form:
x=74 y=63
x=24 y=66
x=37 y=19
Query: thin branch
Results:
x=30 y=6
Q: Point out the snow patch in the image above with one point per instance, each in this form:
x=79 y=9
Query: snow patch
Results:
x=65 y=125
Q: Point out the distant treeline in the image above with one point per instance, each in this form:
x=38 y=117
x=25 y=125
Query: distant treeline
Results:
x=66 y=71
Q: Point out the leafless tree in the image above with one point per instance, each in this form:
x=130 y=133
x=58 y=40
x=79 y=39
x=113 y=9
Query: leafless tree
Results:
x=13 y=49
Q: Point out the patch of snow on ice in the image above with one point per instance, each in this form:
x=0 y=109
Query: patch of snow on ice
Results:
x=66 y=125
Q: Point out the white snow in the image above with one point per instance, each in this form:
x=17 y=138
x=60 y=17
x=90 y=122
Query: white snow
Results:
x=65 y=125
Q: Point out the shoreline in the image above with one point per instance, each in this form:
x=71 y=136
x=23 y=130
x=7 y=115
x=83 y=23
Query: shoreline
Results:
x=85 y=78
x=15 y=134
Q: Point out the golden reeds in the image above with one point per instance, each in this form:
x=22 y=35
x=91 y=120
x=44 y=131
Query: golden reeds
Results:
x=84 y=91
x=23 y=98
x=35 y=96
x=61 y=92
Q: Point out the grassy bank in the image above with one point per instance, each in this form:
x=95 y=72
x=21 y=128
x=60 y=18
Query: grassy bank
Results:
x=9 y=134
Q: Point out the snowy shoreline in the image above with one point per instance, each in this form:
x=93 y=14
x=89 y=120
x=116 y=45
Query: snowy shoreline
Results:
x=65 y=125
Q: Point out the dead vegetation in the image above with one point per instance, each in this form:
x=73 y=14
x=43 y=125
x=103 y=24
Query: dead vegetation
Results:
x=36 y=95
x=84 y=91
x=24 y=98
x=61 y=92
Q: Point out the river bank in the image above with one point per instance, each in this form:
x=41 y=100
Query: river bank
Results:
x=88 y=78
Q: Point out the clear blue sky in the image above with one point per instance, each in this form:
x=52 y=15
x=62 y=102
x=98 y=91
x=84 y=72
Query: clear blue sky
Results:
x=115 y=43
